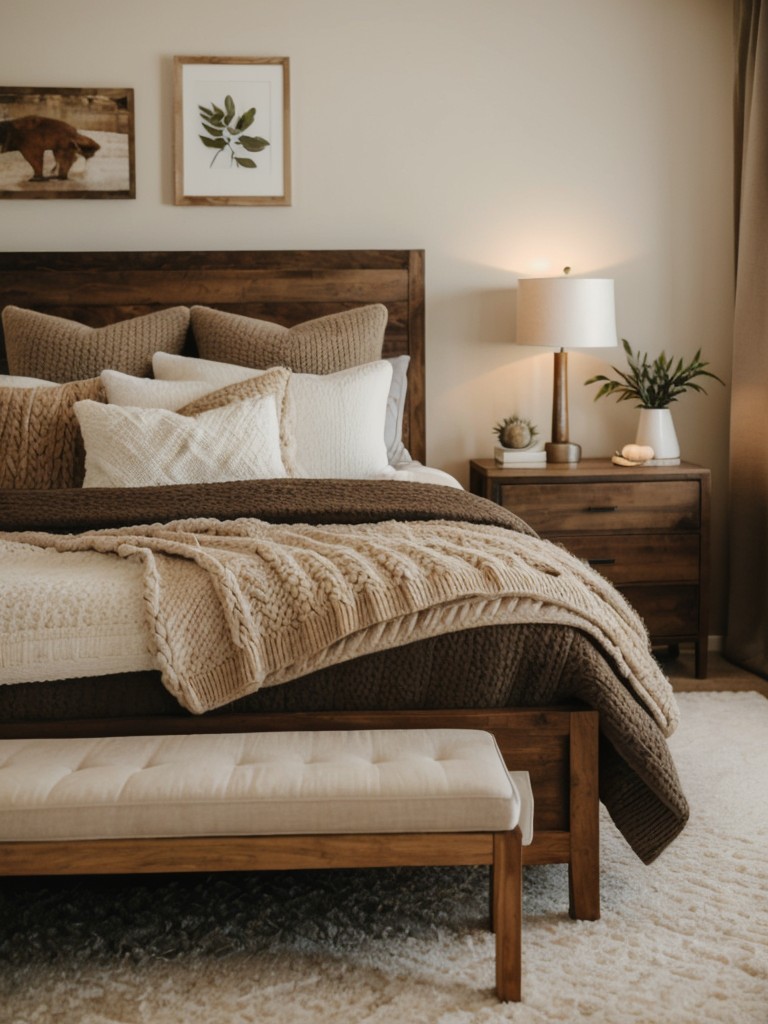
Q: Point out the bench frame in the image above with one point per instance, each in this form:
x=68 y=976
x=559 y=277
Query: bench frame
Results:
x=557 y=746
x=502 y=850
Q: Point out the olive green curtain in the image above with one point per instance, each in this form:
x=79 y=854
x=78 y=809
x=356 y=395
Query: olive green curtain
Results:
x=746 y=641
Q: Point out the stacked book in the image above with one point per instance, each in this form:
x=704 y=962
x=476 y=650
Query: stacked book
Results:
x=520 y=458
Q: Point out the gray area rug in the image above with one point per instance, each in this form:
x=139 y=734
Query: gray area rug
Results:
x=684 y=941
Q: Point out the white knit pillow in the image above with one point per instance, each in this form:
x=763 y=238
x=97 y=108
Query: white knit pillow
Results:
x=147 y=393
x=339 y=421
x=130 y=447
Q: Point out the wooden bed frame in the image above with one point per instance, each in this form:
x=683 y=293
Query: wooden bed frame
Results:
x=558 y=746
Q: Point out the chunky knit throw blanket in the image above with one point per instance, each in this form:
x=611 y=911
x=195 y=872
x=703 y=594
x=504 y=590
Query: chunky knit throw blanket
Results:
x=525 y=664
x=236 y=605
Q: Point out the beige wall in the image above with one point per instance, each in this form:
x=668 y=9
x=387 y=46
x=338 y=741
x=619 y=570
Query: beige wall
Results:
x=505 y=137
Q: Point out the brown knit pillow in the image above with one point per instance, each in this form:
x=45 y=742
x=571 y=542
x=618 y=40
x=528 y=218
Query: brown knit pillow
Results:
x=39 y=345
x=41 y=446
x=326 y=345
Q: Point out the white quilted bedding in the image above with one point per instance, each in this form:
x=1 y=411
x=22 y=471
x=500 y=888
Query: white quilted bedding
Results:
x=70 y=614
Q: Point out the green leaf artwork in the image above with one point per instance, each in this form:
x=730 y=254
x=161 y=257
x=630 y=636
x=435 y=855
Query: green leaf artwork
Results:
x=225 y=132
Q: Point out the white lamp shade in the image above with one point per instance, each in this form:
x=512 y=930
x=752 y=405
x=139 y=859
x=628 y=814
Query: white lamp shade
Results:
x=566 y=312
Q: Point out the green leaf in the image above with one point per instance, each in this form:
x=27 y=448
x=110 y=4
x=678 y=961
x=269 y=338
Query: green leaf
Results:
x=216 y=119
x=212 y=143
x=245 y=120
x=653 y=385
x=244 y=161
x=216 y=132
x=229 y=106
x=253 y=143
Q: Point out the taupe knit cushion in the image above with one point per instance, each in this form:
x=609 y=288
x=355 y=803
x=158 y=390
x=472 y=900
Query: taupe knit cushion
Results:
x=41 y=446
x=38 y=345
x=326 y=345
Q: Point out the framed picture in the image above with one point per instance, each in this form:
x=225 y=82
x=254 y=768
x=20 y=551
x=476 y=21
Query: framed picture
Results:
x=66 y=143
x=232 y=131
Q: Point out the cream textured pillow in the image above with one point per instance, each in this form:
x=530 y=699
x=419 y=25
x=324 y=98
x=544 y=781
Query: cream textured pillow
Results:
x=40 y=443
x=190 y=397
x=129 y=447
x=326 y=345
x=336 y=420
x=39 y=345
x=9 y=381
x=148 y=393
x=186 y=368
x=171 y=367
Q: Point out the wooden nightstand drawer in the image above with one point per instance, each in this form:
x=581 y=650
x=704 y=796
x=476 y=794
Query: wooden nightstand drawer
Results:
x=587 y=507
x=638 y=557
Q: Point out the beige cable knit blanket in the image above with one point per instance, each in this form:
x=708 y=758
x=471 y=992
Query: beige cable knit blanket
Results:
x=236 y=605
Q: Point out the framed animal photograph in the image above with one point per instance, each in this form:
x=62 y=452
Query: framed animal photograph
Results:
x=232 y=131
x=66 y=143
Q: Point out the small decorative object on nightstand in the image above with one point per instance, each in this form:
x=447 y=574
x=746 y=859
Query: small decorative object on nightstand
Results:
x=646 y=529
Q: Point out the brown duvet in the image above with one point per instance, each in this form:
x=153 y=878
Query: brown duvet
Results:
x=512 y=665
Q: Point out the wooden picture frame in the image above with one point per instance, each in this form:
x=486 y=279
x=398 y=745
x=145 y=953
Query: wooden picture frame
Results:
x=67 y=143
x=232 y=131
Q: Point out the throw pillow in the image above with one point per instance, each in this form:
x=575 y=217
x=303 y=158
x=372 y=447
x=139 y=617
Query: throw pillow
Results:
x=130 y=447
x=326 y=345
x=40 y=439
x=148 y=393
x=336 y=420
x=39 y=345
x=186 y=368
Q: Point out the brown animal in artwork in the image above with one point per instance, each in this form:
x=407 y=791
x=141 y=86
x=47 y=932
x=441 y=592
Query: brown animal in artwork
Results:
x=32 y=136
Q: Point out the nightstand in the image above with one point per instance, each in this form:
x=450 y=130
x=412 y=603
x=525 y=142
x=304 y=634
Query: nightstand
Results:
x=645 y=528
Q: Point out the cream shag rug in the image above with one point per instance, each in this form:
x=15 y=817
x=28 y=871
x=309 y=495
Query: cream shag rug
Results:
x=684 y=941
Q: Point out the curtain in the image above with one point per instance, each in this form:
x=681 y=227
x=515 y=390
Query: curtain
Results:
x=746 y=641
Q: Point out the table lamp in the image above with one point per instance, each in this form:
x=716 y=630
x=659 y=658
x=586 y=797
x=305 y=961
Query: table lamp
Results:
x=562 y=313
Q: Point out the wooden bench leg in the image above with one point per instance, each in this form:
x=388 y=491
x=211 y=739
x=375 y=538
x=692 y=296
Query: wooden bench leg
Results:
x=584 y=861
x=507 y=883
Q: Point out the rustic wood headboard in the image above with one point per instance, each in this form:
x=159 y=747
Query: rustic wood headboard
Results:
x=285 y=286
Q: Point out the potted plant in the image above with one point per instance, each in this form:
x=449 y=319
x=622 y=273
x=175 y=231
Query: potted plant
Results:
x=654 y=386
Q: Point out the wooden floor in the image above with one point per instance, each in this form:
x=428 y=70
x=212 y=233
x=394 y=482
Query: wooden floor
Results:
x=722 y=675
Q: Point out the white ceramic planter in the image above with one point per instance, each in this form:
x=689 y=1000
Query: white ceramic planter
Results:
x=656 y=429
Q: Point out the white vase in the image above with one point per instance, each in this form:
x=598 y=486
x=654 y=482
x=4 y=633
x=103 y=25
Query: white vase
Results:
x=656 y=429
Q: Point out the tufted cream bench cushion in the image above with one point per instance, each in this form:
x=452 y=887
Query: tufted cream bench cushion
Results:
x=425 y=780
x=266 y=801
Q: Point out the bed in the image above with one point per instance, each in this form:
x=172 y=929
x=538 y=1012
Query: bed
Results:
x=566 y=697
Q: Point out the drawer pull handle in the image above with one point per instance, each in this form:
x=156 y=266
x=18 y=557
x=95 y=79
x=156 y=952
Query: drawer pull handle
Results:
x=602 y=508
x=602 y=561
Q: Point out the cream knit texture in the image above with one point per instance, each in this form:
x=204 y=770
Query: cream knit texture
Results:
x=128 y=447
x=236 y=605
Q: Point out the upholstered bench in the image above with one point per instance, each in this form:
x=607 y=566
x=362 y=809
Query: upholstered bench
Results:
x=268 y=801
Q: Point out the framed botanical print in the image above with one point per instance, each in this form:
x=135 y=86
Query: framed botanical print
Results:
x=232 y=131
